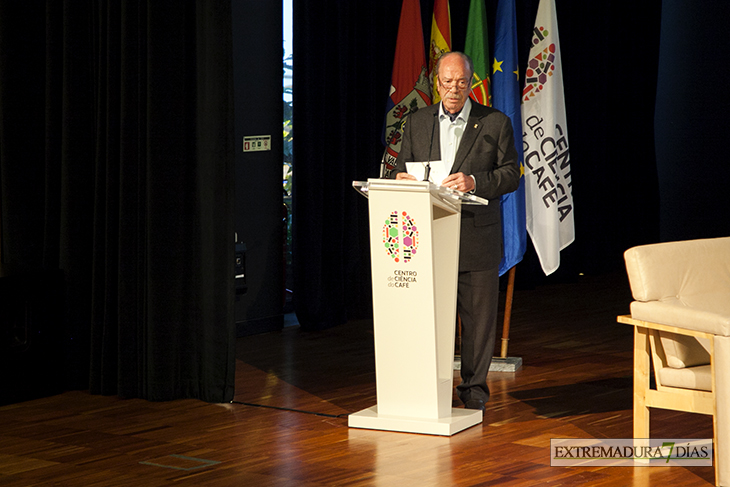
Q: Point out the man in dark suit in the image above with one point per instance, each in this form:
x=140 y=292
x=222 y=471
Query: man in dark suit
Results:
x=478 y=143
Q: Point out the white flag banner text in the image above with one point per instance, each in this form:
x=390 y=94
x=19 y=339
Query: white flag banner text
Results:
x=548 y=195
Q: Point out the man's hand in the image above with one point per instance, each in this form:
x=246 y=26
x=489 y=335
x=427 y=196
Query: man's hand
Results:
x=405 y=175
x=459 y=181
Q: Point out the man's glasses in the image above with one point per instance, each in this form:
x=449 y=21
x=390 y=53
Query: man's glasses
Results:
x=454 y=83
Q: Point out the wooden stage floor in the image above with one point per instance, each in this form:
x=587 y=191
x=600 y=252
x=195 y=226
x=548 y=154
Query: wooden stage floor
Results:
x=294 y=390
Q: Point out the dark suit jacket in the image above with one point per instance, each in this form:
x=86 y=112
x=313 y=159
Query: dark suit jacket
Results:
x=487 y=152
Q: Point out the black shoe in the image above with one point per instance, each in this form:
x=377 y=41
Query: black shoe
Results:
x=475 y=404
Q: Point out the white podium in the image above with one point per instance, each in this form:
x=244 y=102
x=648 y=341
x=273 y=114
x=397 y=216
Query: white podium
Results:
x=414 y=239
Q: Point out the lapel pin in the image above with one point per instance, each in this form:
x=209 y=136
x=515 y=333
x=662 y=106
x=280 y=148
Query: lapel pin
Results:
x=476 y=125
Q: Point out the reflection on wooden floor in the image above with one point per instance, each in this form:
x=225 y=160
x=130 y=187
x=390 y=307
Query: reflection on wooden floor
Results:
x=288 y=424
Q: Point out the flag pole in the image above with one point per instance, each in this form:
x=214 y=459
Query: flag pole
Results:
x=508 y=311
x=506 y=97
x=503 y=363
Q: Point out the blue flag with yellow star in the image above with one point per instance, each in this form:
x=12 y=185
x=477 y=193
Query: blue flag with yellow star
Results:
x=506 y=97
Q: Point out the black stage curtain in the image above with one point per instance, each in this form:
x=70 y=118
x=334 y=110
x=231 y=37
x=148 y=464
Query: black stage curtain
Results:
x=341 y=77
x=691 y=120
x=343 y=61
x=117 y=168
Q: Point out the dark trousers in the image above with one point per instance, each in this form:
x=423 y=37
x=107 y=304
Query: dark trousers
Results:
x=478 y=297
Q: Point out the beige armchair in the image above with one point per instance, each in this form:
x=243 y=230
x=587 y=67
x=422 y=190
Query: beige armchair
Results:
x=681 y=319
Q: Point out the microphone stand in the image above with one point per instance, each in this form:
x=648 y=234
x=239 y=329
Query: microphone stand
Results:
x=427 y=174
x=384 y=171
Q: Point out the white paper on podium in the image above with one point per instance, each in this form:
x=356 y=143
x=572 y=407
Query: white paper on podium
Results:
x=418 y=169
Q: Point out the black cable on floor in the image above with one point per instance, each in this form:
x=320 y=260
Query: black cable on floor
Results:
x=291 y=410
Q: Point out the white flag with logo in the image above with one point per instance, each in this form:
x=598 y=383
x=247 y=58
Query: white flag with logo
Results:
x=548 y=196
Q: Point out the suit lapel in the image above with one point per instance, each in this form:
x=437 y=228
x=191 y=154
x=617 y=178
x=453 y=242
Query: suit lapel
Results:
x=473 y=126
x=434 y=129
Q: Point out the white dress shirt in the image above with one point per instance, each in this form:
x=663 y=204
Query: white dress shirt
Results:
x=450 y=134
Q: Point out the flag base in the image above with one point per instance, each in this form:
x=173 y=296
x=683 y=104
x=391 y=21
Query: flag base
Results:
x=499 y=364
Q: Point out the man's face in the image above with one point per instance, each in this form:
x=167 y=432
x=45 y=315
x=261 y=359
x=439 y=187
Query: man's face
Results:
x=454 y=83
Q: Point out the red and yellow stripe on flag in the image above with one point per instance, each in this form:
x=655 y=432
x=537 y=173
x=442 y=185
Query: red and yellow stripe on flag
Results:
x=440 y=39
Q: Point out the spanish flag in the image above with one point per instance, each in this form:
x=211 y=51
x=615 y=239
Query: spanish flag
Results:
x=440 y=39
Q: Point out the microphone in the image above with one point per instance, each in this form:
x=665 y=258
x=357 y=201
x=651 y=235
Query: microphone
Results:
x=384 y=169
x=430 y=147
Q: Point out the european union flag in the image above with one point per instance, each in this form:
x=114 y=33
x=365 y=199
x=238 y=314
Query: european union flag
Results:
x=506 y=97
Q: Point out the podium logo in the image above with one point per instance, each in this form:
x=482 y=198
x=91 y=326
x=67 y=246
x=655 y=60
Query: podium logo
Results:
x=400 y=236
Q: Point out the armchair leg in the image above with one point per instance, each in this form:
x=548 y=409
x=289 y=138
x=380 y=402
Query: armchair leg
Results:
x=721 y=418
x=641 y=382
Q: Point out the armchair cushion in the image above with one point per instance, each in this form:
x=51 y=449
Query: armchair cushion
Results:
x=684 y=351
x=697 y=378
x=690 y=269
x=676 y=312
